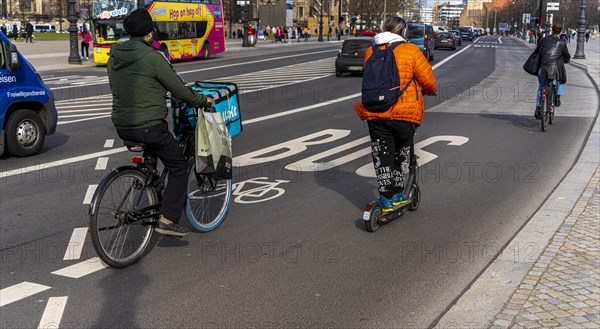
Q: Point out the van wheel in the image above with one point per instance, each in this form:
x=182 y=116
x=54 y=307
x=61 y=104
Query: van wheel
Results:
x=25 y=133
x=163 y=48
x=205 y=51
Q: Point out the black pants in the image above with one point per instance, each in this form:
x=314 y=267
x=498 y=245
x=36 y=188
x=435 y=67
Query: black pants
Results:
x=390 y=147
x=86 y=47
x=165 y=147
x=29 y=37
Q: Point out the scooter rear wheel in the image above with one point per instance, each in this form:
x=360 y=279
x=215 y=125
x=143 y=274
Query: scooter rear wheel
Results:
x=373 y=223
x=415 y=199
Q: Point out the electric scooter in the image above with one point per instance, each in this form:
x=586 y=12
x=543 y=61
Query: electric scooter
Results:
x=374 y=216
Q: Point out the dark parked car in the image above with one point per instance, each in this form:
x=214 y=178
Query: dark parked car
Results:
x=457 y=37
x=445 y=40
x=351 y=56
x=467 y=33
x=422 y=36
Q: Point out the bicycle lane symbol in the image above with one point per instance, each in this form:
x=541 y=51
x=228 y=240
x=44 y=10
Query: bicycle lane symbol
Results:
x=257 y=189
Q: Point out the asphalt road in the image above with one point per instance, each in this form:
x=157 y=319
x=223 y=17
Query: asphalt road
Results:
x=296 y=254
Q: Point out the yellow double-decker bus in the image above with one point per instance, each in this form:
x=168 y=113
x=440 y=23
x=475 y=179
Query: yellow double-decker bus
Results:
x=183 y=29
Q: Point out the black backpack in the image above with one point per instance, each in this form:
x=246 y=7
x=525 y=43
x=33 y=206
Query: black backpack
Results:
x=381 y=82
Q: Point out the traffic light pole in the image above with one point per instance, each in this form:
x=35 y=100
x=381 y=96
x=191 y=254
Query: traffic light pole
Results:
x=339 y=35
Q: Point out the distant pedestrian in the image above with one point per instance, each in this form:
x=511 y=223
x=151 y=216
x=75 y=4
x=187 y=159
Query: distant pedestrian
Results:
x=587 y=35
x=15 y=32
x=29 y=31
x=86 y=39
x=3 y=29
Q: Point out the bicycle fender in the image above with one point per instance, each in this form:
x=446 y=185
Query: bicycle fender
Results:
x=102 y=185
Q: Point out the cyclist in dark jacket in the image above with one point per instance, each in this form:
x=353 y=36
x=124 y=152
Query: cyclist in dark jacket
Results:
x=553 y=54
x=139 y=77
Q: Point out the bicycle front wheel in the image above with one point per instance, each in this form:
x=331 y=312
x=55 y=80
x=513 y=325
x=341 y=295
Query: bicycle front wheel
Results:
x=122 y=217
x=207 y=200
x=545 y=111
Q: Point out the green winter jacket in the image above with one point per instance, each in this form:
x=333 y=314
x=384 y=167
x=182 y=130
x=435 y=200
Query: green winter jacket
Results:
x=139 y=77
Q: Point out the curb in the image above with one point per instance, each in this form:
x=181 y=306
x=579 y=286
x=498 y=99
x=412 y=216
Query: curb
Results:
x=488 y=293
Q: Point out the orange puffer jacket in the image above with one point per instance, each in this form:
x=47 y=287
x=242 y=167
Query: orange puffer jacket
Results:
x=409 y=107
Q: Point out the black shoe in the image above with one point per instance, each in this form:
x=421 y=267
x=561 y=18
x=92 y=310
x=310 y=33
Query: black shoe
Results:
x=170 y=229
x=557 y=100
x=538 y=113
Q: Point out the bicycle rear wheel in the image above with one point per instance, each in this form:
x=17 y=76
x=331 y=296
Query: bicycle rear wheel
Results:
x=122 y=217
x=207 y=200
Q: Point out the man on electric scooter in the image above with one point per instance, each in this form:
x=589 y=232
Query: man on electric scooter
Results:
x=392 y=129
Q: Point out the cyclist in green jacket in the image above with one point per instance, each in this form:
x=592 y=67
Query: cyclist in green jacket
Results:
x=139 y=77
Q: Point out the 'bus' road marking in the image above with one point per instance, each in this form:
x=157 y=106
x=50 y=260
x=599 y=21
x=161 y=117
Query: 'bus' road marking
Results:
x=76 y=244
x=53 y=312
x=82 y=269
x=257 y=61
x=20 y=291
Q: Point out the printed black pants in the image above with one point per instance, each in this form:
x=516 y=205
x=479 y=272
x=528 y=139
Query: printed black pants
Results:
x=390 y=147
x=167 y=150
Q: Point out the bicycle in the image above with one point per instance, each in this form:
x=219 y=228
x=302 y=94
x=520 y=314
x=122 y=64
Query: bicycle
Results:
x=125 y=207
x=547 y=104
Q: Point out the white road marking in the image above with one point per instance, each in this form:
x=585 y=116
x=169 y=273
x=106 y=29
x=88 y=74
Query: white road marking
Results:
x=109 y=143
x=254 y=62
x=53 y=312
x=82 y=269
x=86 y=119
x=500 y=39
x=76 y=244
x=20 y=291
x=63 y=162
x=102 y=163
x=448 y=58
x=90 y=193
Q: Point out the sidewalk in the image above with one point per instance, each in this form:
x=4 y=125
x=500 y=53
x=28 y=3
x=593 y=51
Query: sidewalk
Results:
x=549 y=274
x=53 y=55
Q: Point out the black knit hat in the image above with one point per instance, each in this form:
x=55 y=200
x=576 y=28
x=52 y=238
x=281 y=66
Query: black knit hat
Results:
x=138 y=23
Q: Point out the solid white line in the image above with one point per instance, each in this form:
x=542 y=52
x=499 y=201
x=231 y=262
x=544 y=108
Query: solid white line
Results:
x=109 y=143
x=500 y=39
x=257 y=61
x=101 y=164
x=90 y=193
x=53 y=312
x=20 y=291
x=86 y=119
x=82 y=269
x=449 y=58
x=76 y=244
x=81 y=85
x=63 y=162
x=82 y=115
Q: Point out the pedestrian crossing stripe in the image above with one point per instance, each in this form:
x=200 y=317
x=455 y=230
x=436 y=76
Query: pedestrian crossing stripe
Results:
x=98 y=107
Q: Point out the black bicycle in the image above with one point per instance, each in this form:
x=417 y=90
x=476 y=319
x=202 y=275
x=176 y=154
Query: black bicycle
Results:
x=547 y=104
x=125 y=207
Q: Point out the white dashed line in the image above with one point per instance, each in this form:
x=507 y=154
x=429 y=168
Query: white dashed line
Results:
x=53 y=312
x=20 y=291
x=82 y=269
x=90 y=193
x=76 y=244
x=109 y=143
x=102 y=163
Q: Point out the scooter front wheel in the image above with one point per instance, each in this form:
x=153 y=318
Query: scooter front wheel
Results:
x=372 y=223
x=415 y=199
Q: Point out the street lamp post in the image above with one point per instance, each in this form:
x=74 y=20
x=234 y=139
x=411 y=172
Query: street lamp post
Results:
x=339 y=35
x=245 y=41
x=582 y=22
x=74 y=55
x=320 y=39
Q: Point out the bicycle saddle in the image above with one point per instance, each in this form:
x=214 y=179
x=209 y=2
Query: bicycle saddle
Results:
x=135 y=146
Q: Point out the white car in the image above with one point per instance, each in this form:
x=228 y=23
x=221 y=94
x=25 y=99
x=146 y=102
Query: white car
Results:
x=437 y=29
